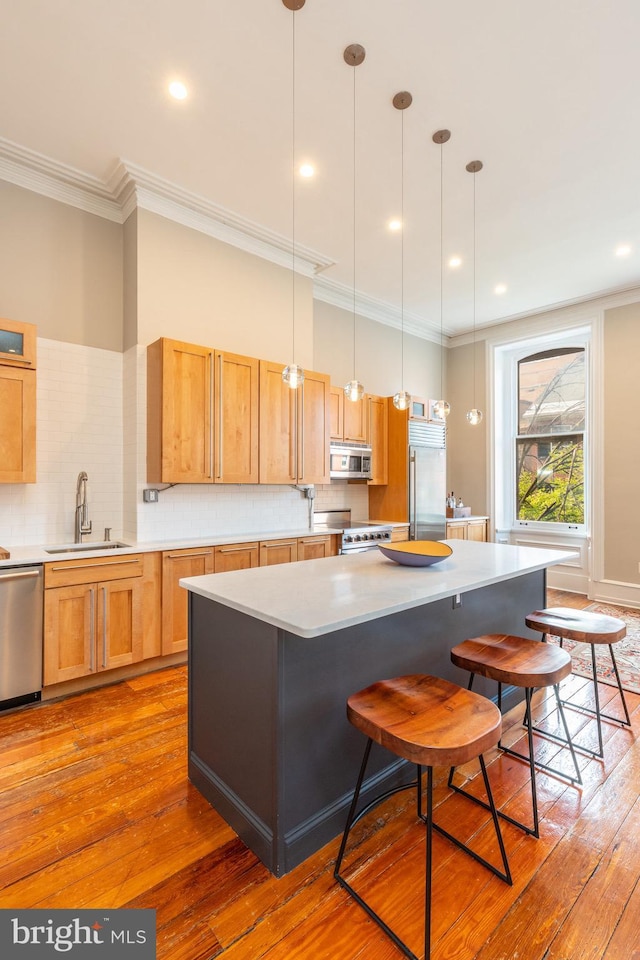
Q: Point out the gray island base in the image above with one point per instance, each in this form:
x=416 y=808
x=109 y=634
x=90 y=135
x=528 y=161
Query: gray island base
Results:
x=274 y=652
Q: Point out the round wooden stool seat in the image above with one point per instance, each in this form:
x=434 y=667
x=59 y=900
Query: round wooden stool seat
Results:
x=581 y=625
x=426 y=720
x=516 y=660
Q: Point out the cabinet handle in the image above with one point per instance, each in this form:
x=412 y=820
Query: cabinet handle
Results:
x=92 y=624
x=220 y=441
x=179 y=556
x=314 y=539
x=211 y=415
x=104 y=627
x=280 y=543
x=95 y=566
x=234 y=549
x=301 y=476
x=293 y=442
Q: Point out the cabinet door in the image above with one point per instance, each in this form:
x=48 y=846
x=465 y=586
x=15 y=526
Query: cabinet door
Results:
x=17 y=425
x=119 y=623
x=277 y=426
x=336 y=412
x=477 y=530
x=356 y=427
x=69 y=632
x=313 y=428
x=236 y=418
x=177 y=564
x=278 y=551
x=312 y=548
x=179 y=409
x=378 y=437
x=235 y=556
x=456 y=531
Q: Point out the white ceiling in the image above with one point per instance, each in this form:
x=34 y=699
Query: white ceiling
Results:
x=544 y=94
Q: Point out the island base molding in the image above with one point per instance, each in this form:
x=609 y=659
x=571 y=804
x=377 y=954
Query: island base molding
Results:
x=270 y=746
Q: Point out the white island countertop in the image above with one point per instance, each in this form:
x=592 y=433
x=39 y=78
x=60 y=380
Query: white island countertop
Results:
x=313 y=597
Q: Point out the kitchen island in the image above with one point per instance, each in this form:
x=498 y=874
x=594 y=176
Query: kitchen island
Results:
x=274 y=652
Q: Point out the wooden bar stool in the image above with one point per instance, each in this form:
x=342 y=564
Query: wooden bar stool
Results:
x=427 y=721
x=585 y=627
x=524 y=663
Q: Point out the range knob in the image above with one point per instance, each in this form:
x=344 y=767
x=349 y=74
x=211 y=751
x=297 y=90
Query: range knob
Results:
x=347 y=538
x=357 y=537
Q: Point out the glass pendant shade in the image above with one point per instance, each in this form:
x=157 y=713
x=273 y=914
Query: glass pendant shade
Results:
x=402 y=400
x=354 y=390
x=474 y=417
x=441 y=409
x=293 y=375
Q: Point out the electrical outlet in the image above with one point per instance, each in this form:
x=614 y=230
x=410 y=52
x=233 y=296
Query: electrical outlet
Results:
x=150 y=495
x=457 y=601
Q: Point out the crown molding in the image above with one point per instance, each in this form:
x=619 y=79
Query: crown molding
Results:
x=339 y=295
x=33 y=171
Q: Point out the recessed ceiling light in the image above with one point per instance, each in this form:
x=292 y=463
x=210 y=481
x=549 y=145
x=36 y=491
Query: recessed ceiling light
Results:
x=395 y=224
x=178 y=90
x=455 y=261
x=500 y=288
x=623 y=250
x=306 y=170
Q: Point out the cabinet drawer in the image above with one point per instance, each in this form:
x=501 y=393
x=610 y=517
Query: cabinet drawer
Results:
x=66 y=573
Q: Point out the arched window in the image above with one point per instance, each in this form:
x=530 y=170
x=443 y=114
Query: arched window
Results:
x=549 y=441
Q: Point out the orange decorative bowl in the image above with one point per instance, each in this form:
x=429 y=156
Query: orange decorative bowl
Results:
x=416 y=553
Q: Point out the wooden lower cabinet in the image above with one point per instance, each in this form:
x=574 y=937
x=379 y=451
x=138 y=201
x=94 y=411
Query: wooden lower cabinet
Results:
x=99 y=614
x=278 y=551
x=92 y=627
x=177 y=564
x=473 y=529
x=235 y=556
x=315 y=547
x=400 y=532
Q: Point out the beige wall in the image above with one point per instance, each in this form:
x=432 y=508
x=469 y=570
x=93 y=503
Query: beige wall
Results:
x=467 y=445
x=193 y=287
x=61 y=269
x=378 y=354
x=621 y=446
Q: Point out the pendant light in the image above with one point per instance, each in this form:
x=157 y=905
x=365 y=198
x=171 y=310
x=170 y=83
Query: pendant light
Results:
x=441 y=408
x=354 y=54
x=474 y=416
x=402 y=399
x=293 y=374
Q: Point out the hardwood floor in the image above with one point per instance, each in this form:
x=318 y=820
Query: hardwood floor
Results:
x=96 y=811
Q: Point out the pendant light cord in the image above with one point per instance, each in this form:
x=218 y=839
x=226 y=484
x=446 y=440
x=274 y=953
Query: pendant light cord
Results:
x=441 y=281
x=354 y=223
x=402 y=254
x=293 y=186
x=474 y=291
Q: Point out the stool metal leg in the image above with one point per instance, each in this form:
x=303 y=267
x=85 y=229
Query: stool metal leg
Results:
x=352 y=819
x=598 y=713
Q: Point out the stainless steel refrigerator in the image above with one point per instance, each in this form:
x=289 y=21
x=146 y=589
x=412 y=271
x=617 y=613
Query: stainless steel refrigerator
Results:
x=427 y=481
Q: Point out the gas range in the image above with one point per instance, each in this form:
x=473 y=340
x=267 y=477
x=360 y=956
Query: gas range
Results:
x=356 y=536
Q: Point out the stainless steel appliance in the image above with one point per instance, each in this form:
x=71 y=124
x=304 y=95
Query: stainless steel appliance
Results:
x=427 y=480
x=21 y=604
x=356 y=536
x=350 y=461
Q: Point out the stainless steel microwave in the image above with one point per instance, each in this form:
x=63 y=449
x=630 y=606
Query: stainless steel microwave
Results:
x=350 y=462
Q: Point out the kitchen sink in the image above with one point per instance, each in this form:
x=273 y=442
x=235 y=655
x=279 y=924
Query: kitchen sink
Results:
x=88 y=547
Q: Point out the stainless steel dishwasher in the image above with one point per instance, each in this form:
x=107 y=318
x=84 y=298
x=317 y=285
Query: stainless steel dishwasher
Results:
x=21 y=605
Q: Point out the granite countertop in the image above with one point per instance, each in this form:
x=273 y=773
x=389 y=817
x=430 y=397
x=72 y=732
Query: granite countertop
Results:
x=318 y=596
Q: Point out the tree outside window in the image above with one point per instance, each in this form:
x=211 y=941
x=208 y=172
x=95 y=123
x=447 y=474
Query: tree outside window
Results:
x=550 y=439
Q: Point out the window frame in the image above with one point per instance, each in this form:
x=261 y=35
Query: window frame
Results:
x=506 y=394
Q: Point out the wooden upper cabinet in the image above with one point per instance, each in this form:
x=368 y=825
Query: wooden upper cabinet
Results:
x=17 y=425
x=236 y=404
x=294 y=427
x=202 y=415
x=348 y=418
x=378 y=435
x=18 y=344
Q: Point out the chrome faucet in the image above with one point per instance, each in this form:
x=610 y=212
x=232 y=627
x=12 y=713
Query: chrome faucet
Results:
x=83 y=524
